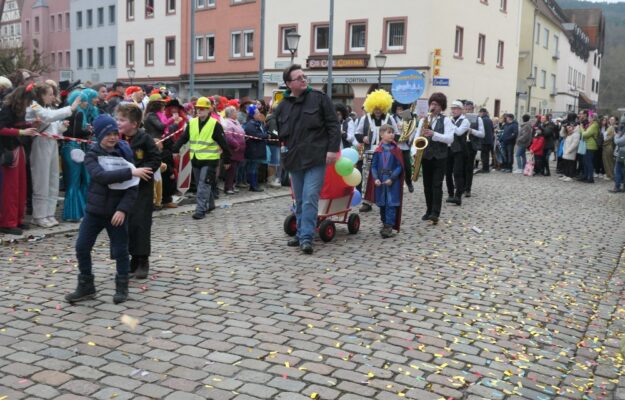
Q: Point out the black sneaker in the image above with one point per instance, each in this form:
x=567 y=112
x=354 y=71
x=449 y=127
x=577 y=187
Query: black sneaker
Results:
x=294 y=242
x=365 y=207
x=410 y=187
x=434 y=219
x=11 y=231
x=198 y=216
x=252 y=189
x=467 y=193
x=425 y=217
x=450 y=199
x=306 y=248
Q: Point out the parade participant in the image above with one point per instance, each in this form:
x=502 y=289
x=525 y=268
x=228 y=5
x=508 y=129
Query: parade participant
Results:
x=310 y=135
x=457 y=154
x=207 y=144
x=75 y=175
x=255 y=145
x=489 y=140
x=44 y=154
x=407 y=124
x=346 y=125
x=114 y=97
x=13 y=160
x=386 y=180
x=440 y=134
x=235 y=136
x=145 y=155
x=107 y=208
x=377 y=107
x=475 y=135
x=135 y=94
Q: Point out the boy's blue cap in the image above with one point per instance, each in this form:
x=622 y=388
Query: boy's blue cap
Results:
x=104 y=125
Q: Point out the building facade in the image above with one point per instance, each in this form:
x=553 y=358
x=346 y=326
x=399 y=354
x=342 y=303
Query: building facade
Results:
x=226 y=47
x=474 y=60
x=10 y=24
x=93 y=29
x=148 y=41
x=575 y=56
x=46 y=30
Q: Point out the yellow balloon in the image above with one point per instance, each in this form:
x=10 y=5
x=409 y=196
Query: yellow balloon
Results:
x=353 y=179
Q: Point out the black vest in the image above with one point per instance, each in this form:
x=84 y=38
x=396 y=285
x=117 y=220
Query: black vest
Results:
x=460 y=142
x=437 y=150
x=476 y=142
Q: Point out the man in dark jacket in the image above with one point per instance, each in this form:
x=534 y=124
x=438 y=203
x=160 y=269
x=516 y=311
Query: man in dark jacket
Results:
x=309 y=130
x=549 y=131
x=488 y=141
x=510 y=133
x=108 y=162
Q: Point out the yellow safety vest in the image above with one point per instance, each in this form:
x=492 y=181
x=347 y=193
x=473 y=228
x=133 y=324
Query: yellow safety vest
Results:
x=201 y=143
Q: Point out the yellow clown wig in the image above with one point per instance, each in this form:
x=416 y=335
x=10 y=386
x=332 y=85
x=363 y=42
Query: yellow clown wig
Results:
x=378 y=99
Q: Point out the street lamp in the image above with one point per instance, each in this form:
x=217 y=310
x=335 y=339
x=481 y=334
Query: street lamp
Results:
x=380 y=62
x=292 y=41
x=131 y=74
x=531 y=81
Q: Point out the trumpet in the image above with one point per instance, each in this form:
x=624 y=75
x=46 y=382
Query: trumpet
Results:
x=420 y=143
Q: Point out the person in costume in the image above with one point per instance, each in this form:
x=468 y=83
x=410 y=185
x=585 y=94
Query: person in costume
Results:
x=475 y=136
x=457 y=154
x=440 y=134
x=377 y=106
x=145 y=155
x=386 y=179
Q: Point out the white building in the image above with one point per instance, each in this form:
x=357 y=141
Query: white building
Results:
x=477 y=60
x=149 y=42
x=11 y=25
x=572 y=69
x=94 y=40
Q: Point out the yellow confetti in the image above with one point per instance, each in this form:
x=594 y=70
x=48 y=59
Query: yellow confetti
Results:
x=90 y=344
x=286 y=364
x=129 y=321
x=312 y=396
x=371 y=375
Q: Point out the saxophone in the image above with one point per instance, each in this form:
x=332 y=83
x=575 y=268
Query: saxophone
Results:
x=420 y=143
x=409 y=125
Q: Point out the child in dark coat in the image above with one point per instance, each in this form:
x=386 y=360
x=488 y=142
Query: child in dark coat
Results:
x=108 y=206
x=387 y=173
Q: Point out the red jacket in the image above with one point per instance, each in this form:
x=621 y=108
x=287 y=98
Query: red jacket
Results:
x=538 y=146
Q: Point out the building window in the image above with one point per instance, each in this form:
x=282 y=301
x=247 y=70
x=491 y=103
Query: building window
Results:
x=553 y=84
x=36 y=24
x=321 y=38
x=481 y=44
x=543 y=78
x=67 y=21
x=79 y=58
x=503 y=5
x=89 y=18
x=112 y=14
x=538 y=33
x=570 y=78
x=284 y=46
x=201 y=4
x=500 y=53
x=357 y=37
x=149 y=8
x=458 y=44
x=171 y=6
x=100 y=57
x=170 y=50
x=546 y=44
x=236 y=44
x=199 y=48
x=60 y=59
x=130 y=10
x=28 y=26
x=90 y=58
x=59 y=19
x=535 y=75
x=67 y=59
x=210 y=47
x=53 y=60
x=130 y=53
x=248 y=43
x=78 y=19
x=52 y=25
x=556 y=46
x=395 y=35
x=112 y=56
x=149 y=51
x=100 y=16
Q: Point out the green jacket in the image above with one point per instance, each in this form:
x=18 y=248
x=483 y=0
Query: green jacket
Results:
x=590 y=136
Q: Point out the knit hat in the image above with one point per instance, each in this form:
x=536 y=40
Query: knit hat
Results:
x=251 y=111
x=104 y=125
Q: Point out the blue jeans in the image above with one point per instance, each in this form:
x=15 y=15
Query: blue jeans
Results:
x=589 y=169
x=306 y=185
x=619 y=170
x=90 y=228
x=252 y=173
x=388 y=215
x=204 y=179
x=521 y=158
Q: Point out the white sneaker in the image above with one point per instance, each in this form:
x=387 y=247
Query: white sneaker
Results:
x=567 y=179
x=517 y=171
x=275 y=184
x=53 y=221
x=42 y=222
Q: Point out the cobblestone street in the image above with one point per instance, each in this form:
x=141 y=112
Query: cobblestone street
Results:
x=531 y=307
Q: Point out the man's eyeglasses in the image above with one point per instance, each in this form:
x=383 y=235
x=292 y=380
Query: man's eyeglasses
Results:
x=302 y=78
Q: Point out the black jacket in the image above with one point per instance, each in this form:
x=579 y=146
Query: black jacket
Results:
x=144 y=151
x=255 y=149
x=489 y=131
x=549 y=130
x=309 y=128
x=101 y=200
x=218 y=136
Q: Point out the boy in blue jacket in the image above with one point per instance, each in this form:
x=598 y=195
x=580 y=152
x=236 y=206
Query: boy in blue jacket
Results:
x=107 y=208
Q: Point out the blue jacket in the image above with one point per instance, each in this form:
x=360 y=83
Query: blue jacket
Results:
x=101 y=200
x=510 y=132
x=255 y=149
x=387 y=195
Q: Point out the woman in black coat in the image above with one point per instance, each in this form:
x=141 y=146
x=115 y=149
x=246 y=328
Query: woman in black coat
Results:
x=255 y=146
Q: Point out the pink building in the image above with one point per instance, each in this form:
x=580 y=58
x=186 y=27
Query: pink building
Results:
x=46 y=29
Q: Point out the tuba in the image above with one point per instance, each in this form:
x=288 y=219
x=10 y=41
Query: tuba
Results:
x=420 y=143
x=410 y=123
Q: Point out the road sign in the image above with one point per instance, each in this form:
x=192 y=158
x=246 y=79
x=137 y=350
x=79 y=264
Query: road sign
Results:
x=440 y=82
x=408 y=86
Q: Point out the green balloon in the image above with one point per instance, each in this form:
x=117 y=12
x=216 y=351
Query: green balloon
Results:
x=344 y=166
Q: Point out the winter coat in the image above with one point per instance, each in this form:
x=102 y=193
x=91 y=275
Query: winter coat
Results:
x=235 y=136
x=525 y=135
x=538 y=145
x=101 y=200
x=549 y=131
x=571 y=142
x=510 y=133
x=309 y=127
x=255 y=149
x=271 y=124
x=590 y=135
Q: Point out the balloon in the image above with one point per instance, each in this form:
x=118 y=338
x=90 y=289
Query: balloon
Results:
x=344 y=166
x=356 y=198
x=351 y=154
x=354 y=178
x=334 y=186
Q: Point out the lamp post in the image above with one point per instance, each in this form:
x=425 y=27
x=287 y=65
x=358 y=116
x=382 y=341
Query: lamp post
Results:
x=380 y=62
x=531 y=81
x=292 y=41
x=131 y=74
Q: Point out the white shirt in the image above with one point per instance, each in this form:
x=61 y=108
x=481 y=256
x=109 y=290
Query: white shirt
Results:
x=375 y=136
x=447 y=137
